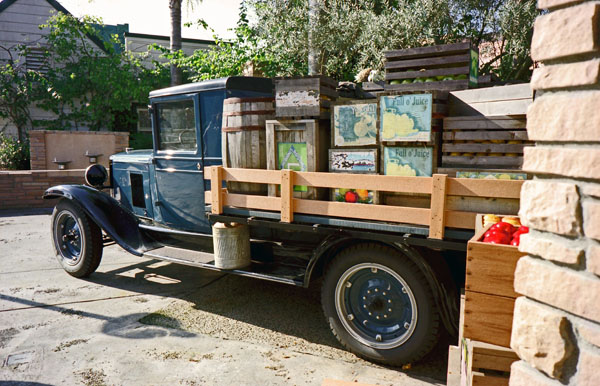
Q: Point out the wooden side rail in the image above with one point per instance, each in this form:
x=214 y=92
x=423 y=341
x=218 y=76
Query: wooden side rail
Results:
x=437 y=217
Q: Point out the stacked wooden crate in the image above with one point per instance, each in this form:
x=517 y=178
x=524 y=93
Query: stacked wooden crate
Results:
x=299 y=137
x=486 y=131
x=442 y=67
x=409 y=134
x=486 y=314
x=354 y=142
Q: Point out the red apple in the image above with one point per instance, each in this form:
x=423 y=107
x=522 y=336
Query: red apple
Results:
x=351 y=197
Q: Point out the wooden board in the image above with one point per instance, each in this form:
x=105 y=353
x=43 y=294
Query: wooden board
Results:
x=503 y=100
x=419 y=52
x=488 y=318
x=483 y=148
x=485 y=135
x=489 y=380
x=480 y=122
x=487 y=161
x=491 y=268
x=453 y=372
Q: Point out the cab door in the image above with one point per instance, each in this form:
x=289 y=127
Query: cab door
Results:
x=178 y=164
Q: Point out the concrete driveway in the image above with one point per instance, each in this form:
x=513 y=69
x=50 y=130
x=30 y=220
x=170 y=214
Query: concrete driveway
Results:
x=145 y=322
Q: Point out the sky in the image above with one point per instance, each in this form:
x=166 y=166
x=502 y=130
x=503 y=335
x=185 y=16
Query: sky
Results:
x=152 y=16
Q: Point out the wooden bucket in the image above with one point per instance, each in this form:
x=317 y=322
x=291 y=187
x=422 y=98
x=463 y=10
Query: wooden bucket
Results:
x=243 y=138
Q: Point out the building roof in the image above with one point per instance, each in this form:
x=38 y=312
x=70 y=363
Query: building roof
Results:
x=56 y=5
x=167 y=38
x=264 y=85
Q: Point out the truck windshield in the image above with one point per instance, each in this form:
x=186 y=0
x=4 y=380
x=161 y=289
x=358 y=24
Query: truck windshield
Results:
x=177 y=126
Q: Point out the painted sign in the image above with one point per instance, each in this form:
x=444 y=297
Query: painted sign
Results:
x=353 y=160
x=355 y=125
x=408 y=161
x=293 y=156
x=491 y=175
x=406 y=118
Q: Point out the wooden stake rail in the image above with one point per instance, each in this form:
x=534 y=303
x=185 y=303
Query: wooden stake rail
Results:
x=437 y=217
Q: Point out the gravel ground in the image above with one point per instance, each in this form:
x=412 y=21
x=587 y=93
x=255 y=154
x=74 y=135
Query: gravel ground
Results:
x=197 y=327
x=256 y=311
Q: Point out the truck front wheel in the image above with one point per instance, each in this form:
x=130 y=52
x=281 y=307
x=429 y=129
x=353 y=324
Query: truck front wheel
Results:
x=77 y=240
x=379 y=305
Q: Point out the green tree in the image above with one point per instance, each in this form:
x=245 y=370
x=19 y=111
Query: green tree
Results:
x=16 y=90
x=351 y=35
x=88 y=86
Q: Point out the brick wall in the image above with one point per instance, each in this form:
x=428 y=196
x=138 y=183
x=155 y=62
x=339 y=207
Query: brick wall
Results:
x=556 y=327
x=24 y=189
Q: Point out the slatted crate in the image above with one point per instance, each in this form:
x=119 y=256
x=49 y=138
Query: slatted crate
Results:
x=304 y=97
x=494 y=142
x=442 y=67
x=300 y=145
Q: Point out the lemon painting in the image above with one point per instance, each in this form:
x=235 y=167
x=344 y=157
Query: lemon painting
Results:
x=355 y=125
x=406 y=117
x=408 y=161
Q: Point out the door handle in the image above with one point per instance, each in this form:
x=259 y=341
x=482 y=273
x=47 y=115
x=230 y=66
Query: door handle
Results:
x=199 y=166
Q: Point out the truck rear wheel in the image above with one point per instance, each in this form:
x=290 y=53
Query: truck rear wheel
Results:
x=77 y=240
x=379 y=305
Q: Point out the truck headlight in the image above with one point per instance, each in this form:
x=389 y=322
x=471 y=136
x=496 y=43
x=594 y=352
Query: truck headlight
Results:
x=96 y=175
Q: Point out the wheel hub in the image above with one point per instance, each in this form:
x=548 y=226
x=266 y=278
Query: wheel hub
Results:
x=68 y=236
x=376 y=305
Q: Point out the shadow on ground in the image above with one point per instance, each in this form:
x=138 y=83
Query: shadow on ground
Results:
x=227 y=306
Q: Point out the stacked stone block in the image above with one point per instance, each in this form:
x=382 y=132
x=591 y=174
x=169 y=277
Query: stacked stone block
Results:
x=556 y=327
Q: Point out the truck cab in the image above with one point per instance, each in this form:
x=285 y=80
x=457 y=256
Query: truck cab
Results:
x=165 y=185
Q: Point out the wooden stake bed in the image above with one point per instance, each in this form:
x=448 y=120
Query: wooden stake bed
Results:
x=437 y=217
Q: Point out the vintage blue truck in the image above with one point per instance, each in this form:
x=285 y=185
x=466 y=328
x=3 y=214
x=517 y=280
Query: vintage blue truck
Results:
x=388 y=290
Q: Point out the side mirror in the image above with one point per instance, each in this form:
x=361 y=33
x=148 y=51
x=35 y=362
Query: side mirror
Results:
x=96 y=175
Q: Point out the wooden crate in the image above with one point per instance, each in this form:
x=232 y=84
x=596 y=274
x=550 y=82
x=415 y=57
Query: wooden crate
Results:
x=484 y=364
x=489 y=291
x=354 y=123
x=309 y=138
x=356 y=161
x=486 y=142
x=458 y=60
x=508 y=100
x=304 y=97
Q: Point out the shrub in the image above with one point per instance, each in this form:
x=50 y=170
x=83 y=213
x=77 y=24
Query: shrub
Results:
x=14 y=154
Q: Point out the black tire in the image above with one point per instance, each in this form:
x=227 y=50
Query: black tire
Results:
x=358 y=313
x=76 y=239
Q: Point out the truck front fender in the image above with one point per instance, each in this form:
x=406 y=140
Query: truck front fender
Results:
x=119 y=223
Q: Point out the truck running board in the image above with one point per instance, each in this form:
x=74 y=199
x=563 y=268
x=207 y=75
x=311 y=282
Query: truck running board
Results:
x=257 y=270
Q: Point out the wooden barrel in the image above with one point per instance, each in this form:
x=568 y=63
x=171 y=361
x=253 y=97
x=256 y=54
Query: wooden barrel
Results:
x=243 y=138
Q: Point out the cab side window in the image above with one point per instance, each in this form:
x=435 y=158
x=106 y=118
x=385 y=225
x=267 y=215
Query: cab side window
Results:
x=177 y=126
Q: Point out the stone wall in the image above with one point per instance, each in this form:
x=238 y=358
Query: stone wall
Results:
x=24 y=189
x=556 y=327
x=48 y=145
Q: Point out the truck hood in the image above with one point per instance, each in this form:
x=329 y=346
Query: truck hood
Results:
x=137 y=156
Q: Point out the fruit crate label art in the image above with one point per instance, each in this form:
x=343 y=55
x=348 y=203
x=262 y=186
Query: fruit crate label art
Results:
x=360 y=196
x=408 y=161
x=353 y=161
x=355 y=125
x=491 y=175
x=293 y=156
x=406 y=118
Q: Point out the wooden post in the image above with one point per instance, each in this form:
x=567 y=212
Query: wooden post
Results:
x=216 y=182
x=438 y=206
x=287 y=195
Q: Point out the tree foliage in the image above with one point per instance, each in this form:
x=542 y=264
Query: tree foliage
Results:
x=353 y=34
x=88 y=86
